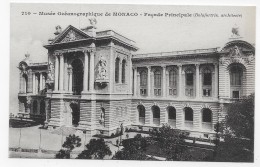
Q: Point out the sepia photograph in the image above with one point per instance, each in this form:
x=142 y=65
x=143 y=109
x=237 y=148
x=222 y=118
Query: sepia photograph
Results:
x=132 y=82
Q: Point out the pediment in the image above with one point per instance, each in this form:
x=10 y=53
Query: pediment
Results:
x=70 y=34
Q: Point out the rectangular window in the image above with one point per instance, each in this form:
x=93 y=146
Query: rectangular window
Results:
x=172 y=91
x=236 y=94
x=206 y=92
x=143 y=92
x=157 y=92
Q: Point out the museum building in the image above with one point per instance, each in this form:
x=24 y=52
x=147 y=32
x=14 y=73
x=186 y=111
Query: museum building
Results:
x=93 y=81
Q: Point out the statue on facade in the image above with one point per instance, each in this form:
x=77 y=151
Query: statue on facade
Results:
x=93 y=21
x=50 y=76
x=235 y=51
x=58 y=30
x=235 y=32
x=102 y=69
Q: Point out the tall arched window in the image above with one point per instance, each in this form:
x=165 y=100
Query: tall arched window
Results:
x=172 y=82
x=189 y=81
x=157 y=82
x=117 y=70
x=171 y=116
x=156 y=115
x=143 y=82
x=102 y=116
x=141 y=113
x=207 y=82
x=236 y=80
x=123 y=70
x=206 y=119
x=188 y=114
x=77 y=76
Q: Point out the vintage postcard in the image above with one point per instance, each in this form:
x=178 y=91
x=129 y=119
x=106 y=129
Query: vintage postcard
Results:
x=132 y=82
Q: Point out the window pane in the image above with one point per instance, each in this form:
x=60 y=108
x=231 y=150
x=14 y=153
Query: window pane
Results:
x=206 y=115
x=123 y=71
x=117 y=70
x=171 y=113
x=172 y=78
x=207 y=79
x=143 y=78
x=188 y=114
x=189 y=79
x=235 y=94
x=157 y=79
x=236 y=75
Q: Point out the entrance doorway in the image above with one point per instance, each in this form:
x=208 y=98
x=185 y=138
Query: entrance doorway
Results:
x=77 y=76
x=75 y=114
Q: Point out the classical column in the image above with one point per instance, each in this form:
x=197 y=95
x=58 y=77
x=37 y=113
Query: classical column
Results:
x=164 y=82
x=91 y=71
x=137 y=84
x=197 y=80
x=21 y=83
x=216 y=80
x=70 y=79
x=37 y=84
x=43 y=81
x=56 y=83
x=148 y=81
x=120 y=72
x=135 y=81
x=61 y=72
x=131 y=74
x=85 y=83
x=46 y=110
x=30 y=81
x=180 y=87
x=40 y=81
x=66 y=78
x=33 y=83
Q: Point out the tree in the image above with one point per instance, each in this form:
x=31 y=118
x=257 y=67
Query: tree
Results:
x=133 y=149
x=237 y=131
x=172 y=142
x=70 y=143
x=96 y=149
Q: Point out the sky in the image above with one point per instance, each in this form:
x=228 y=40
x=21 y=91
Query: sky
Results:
x=28 y=33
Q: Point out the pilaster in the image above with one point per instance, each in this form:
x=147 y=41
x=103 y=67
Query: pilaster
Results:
x=164 y=81
x=197 y=80
x=61 y=73
x=85 y=82
x=180 y=87
x=56 y=83
x=148 y=81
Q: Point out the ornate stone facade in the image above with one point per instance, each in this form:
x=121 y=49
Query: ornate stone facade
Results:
x=98 y=85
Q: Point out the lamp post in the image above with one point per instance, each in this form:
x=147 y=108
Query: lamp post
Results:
x=20 y=136
x=40 y=140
